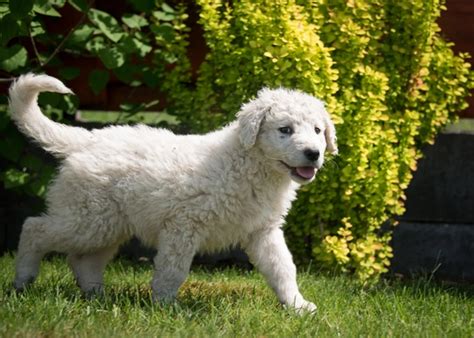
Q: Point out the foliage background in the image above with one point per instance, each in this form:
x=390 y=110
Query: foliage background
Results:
x=388 y=78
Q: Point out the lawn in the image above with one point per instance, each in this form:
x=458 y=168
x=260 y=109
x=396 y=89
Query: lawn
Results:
x=117 y=117
x=230 y=302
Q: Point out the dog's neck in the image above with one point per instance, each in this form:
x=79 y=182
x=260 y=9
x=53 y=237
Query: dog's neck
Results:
x=256 y=168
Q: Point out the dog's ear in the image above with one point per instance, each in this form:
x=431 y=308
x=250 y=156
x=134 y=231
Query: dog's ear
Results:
x=330 y=134
x=250 y=118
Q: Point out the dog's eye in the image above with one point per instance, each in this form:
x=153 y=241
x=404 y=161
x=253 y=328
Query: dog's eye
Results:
x=286 y=130
x=317 y=130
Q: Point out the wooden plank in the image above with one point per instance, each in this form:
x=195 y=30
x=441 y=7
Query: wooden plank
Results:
x=457 y=25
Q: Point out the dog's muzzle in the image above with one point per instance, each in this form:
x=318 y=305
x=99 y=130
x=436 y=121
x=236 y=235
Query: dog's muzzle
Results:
x=304 y=174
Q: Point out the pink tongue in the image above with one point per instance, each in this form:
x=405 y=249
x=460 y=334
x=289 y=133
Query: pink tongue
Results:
x=306 y=172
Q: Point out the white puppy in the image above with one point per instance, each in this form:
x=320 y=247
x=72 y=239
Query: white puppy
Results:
x=179 y=194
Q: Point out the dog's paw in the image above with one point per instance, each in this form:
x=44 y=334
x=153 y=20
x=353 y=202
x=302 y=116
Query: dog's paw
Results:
x=303 y=307
x=94 y=293
x=306 y=307
x=21 y=283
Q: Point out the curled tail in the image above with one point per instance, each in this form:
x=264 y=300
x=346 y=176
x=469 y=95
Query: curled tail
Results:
x=54 y=137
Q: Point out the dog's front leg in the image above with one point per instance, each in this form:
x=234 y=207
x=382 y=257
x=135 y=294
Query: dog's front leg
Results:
x=172 y=262
x=268 y=251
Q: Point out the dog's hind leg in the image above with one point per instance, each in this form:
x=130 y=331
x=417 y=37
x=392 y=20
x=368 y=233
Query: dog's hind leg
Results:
x=89 y=268
x=172 y=263
x=33 y=245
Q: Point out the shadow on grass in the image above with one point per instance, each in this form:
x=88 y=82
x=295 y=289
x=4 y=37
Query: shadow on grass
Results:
x=195 y=299
x=129 y=285
x=423 y=285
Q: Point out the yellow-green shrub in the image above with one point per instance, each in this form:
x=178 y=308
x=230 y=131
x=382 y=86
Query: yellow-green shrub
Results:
x=388 y=78
x=389 y=81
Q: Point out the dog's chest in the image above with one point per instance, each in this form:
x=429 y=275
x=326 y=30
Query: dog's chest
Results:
x=234 y=217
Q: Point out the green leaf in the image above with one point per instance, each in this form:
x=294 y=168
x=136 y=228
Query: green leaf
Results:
x=127 y=45
x=132 y=108
x=38 y=188
x=49 y=99
x=167 y=8
x=165 y=31
x=13 y=58
x=125 y=73
x=150 y=78
x=134 y=21
x=36 y=28
x=69 y=73
x=38 y=185
x=31 y=162
x=98 y=80
x=20 y=8
x=12 y=144
x=69 y=104
x=80 y=5
x=9 y=28
x=14 y=178
x=96 y=44
x=164 y=16
x=111 y=57
x=44 y=7
x=131 y=45
x=57 y=3
x=81 y=34
x=139 y=47
x=107 y=24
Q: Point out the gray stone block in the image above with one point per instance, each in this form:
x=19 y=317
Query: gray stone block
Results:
x=436 y=234
x=442 y=189
x=444 y=250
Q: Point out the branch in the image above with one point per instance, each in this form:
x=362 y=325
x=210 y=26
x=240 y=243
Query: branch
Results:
x=38 y=57
x=68 y=35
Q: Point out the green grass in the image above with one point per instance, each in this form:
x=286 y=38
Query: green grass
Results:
x=229 y=303
x=116 y=117
x=461 y=126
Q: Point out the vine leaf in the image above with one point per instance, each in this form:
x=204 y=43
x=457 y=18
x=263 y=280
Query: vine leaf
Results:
x=45 y=8
x=69 y=73
x=98 y=80
x=13 y=58
x=9 y=28
x=111 y=57
x=107 y=24
x=14 y=178
x=80 y=5
x=20 y=9
x=134 y=21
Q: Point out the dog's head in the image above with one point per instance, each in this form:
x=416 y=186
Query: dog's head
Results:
x=293 y=130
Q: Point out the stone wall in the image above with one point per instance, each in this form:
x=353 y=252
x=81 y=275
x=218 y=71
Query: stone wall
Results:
x=436 y=234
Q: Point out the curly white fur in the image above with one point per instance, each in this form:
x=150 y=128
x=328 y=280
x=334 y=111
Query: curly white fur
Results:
x=179 y=194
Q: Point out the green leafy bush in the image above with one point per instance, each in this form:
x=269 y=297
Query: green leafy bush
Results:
x=388 y=79
x=139 y=49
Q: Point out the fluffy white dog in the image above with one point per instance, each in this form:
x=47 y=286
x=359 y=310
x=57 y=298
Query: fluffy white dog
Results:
x=181 y=194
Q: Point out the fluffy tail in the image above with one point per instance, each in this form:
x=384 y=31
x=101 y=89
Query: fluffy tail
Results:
x=56 y=138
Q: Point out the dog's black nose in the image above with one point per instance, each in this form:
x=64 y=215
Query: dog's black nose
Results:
x=311 y=154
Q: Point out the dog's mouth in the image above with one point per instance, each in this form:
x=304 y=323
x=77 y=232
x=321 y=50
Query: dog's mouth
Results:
x=304 y=174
